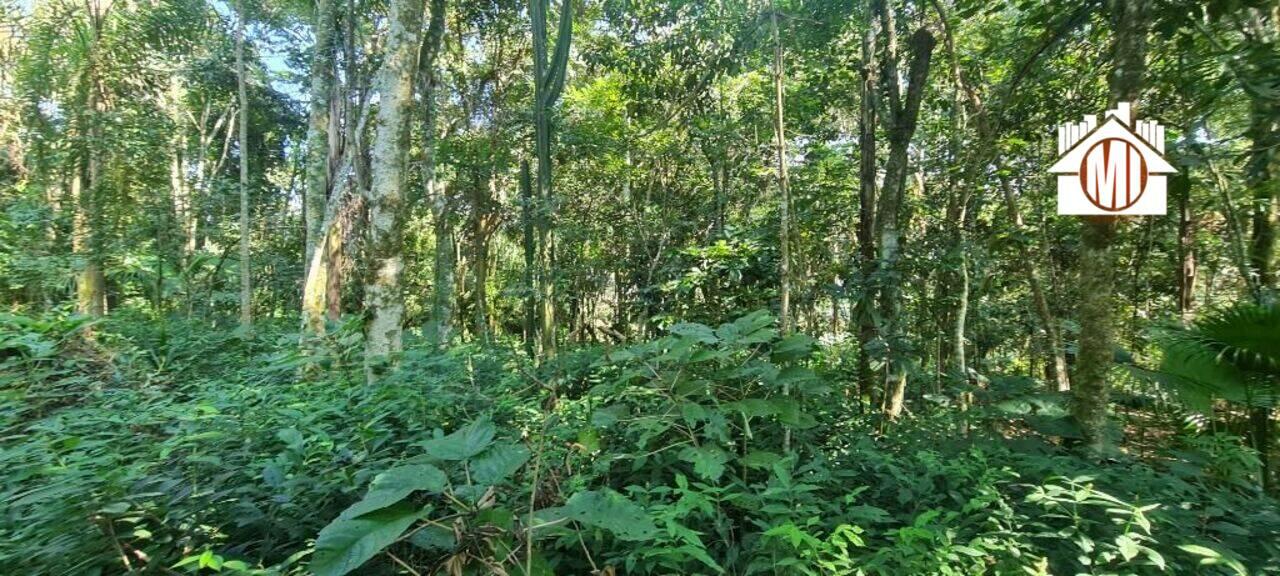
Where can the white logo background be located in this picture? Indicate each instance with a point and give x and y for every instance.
(1112, 179)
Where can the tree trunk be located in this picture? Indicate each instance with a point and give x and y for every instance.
(1094, 356)
(442, 298)
(86, 241)
(530, 251)
(1180, 188)
(784, 201)
(481, 229)
(864, 307)
(443, 267)
(322, 287)
(548, 82)
(1260, 175)
(319, 135)
(246, 286)
(902, 113)
(1097, 273)
(384, 299)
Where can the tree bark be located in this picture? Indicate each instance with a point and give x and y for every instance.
(901, 112)
(86, 241)
(322, 141)
(1097, 273)
(442, 298)
(1260, 176)
(530, 252)
(784, 188)
(246, 282)
(548, 82)
(384, 299)
(319, 136)
(867, 192)
(1180, 188)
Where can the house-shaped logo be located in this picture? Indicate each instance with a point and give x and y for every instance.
(1112, 169)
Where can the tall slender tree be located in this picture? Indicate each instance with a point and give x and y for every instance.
(384, 298)
(1091, 390)
(246, 286)
(319, 155)
(86, 180)
(428, 79)
(784, 184)
(900, 109)
(548, 82)
(867, 194)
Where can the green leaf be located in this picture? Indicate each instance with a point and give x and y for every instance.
(698, 332)
(609, 415)
(793, 347)
(464, 443)
(291, 438)
(708, 461)
(434, 538)
(394, 485)
(611, 511)
(753, 328)
(754, 407)
(1210, 556)
(1127, 546)
(347, 543)
(499, 462)
(760, 459)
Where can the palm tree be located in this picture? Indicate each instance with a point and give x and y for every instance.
(1233, 355)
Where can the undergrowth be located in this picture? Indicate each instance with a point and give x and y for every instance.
(162, 447)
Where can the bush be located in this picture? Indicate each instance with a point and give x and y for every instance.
(164, 446)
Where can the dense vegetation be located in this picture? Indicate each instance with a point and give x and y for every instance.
(631, 287)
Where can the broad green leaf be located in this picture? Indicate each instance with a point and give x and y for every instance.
(1127, 546)
(498, 462)
(753, 407)
(394, 485)
(609, 415)
(793, 347)
(347, 543)
(760, 459)
(611, 511)
(698, 332)
(753, 328)
(708, 461)
(464, 443)
(434, 538)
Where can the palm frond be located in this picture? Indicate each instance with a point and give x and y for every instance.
(1233, 355)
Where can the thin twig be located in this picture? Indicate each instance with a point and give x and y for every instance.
(403, 564)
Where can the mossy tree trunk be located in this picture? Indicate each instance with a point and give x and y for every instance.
(384, 300)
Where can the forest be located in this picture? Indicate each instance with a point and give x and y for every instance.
(607, 287)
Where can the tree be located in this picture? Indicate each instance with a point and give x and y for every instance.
(548, 82)
(86, 183)
(246, 282)
(900, 112)
(1091, 391)
(428, 80)
(384, 298)
(784, 192)
(321, 140)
